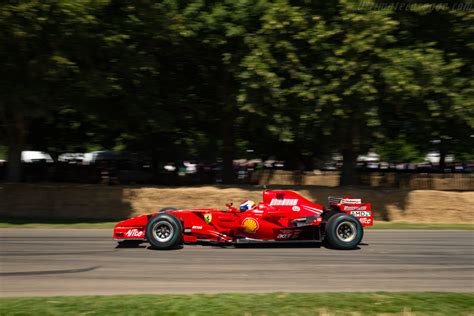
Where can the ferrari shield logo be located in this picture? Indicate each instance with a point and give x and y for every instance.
(207, 218)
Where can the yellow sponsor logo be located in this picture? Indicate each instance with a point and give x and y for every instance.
(207, 218)
(250, 225)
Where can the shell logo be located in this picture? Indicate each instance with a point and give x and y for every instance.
(250, 225)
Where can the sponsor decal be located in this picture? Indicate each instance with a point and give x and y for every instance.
(365, 220)
(283, 202)
(353, 208)
(360, 213)
(351, 201)
(135, 233)
(312, 209)
(196, 227)
(283, 236)
(208, 218)
(250, 225)
(296, 208)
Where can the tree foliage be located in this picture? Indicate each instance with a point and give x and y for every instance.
(201, 79)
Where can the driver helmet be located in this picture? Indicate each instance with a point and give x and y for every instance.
(247, 206)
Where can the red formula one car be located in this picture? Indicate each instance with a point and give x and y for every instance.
(283, 216)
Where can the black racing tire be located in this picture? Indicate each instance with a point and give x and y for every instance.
(167, 209)
(164, 231)
(343, 231)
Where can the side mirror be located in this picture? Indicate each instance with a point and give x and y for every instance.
(230, 207)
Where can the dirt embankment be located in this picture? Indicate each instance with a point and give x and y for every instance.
(102, 202)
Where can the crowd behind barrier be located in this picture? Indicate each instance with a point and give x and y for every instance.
(132, 172)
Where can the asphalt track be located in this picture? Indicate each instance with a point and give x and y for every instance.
(36, 262)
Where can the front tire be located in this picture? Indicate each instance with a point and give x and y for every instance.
(167, 209)
(343, 231)
(164, 231)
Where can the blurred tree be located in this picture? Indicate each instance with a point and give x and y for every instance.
(204, 79)
(85, 73)
(356, 77)
(398, 150)
(217, 32)
(35, 70)
(430, 95)
(325, 61)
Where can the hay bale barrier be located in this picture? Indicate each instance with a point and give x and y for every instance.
(96, 202)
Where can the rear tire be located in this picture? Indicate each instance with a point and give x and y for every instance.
(164, 231)
(343, 231)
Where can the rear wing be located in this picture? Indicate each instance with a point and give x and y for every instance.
(338, 200)
(362, 211)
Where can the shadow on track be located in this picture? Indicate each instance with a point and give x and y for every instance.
(253, 246)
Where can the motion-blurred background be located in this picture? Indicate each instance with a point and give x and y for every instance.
(204, 92)
(111, 108)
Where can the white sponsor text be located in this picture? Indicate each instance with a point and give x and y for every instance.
(284, 202)
(134, 233)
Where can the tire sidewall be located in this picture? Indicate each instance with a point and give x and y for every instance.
(177, 231)
(167, 209)
(331, 234)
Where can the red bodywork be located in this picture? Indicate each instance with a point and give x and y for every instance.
(282, 216)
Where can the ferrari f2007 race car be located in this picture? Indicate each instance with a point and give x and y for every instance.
(282, 217)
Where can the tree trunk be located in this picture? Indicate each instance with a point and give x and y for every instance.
(14, 168)
(349, 156)
(228, 141)
(16, 134)
(228, 152)
(442, 158)
(228, 112)
(349, 171)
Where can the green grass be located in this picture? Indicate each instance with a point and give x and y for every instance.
(376, 303)
(401, 225)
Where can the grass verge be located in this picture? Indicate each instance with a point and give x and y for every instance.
(375, 303)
